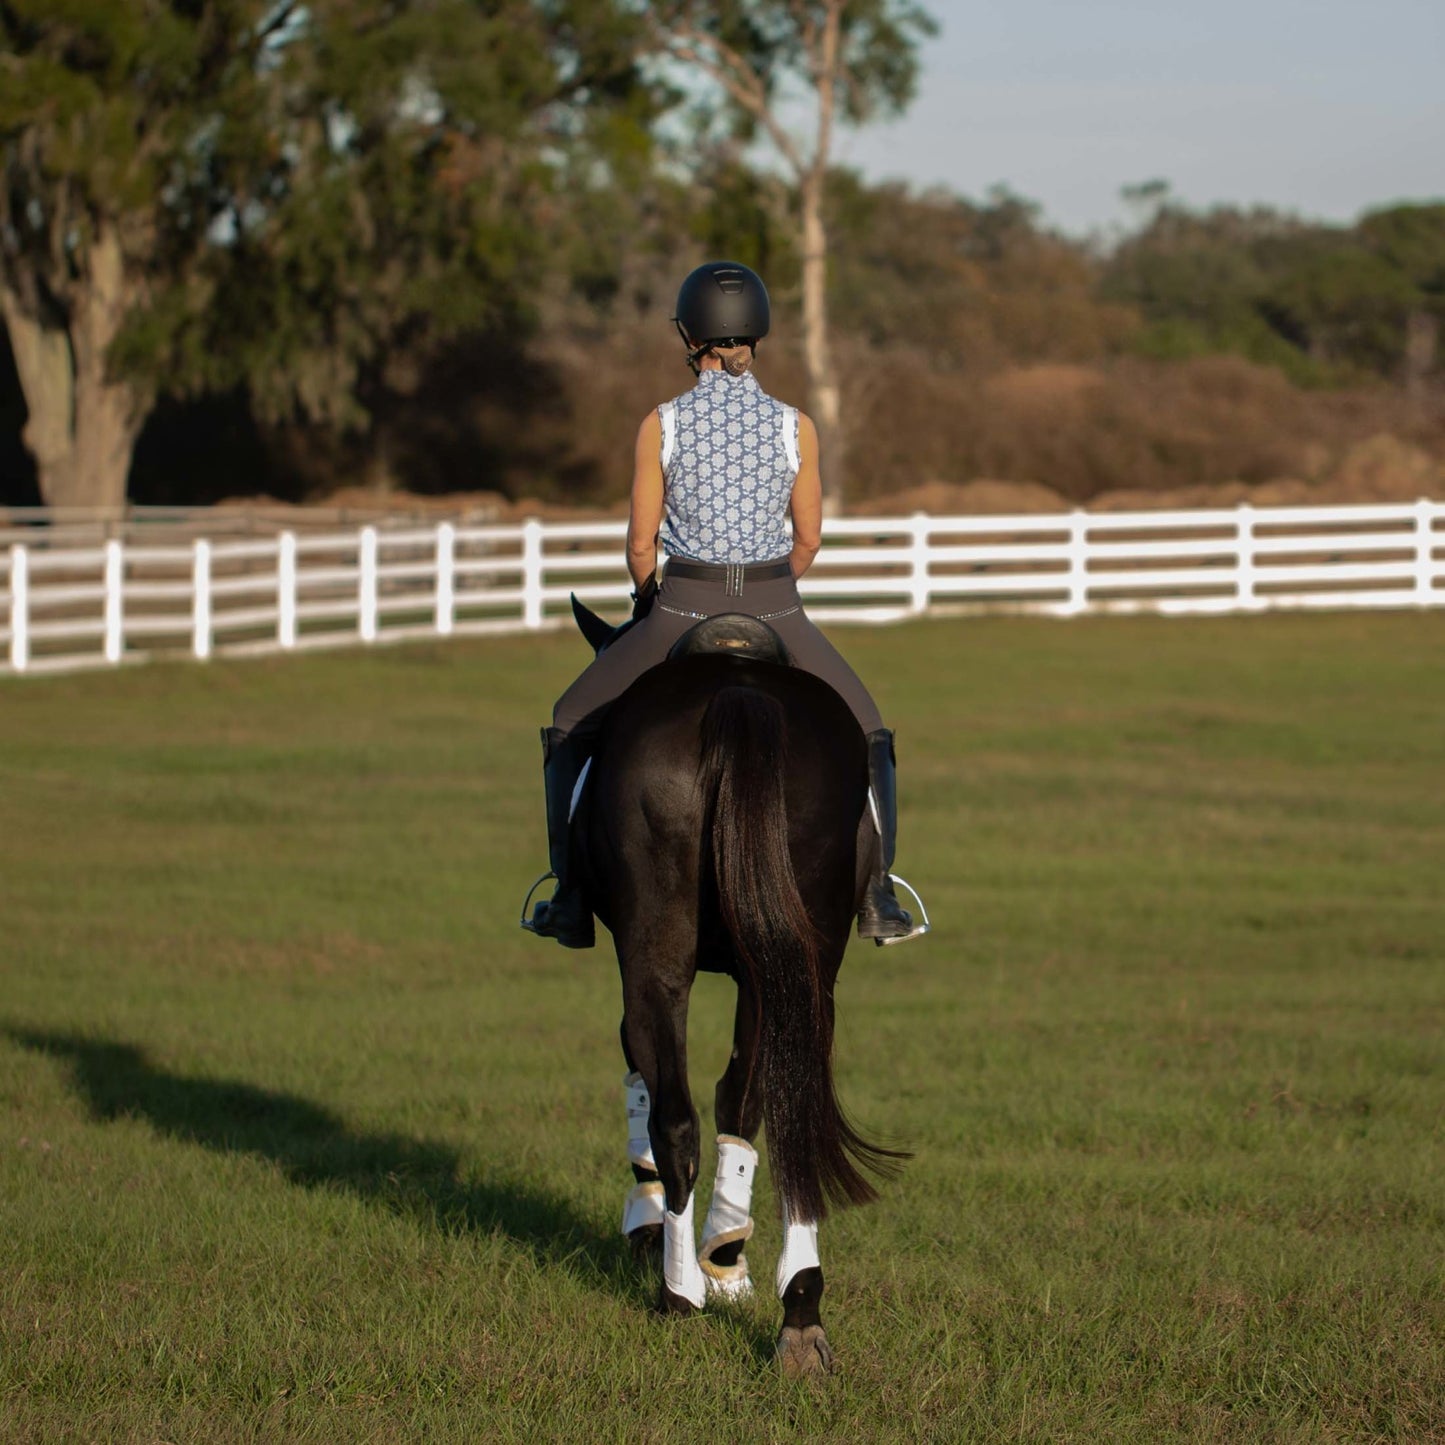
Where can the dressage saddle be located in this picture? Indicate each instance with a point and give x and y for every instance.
(734, 634)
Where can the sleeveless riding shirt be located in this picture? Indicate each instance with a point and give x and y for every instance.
(729, 460)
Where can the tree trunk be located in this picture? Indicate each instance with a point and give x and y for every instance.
(83, 424)
(1422, 337)
(824, 399)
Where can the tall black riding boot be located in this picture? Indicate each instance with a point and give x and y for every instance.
(882, 916)
(566, 916)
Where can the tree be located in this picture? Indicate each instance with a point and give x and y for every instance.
(1201, 281)
(1411, 238)
(87, 122)
(209, 193)
(1325, 303)
(974, 285)
(859, 60)
(1346, 306)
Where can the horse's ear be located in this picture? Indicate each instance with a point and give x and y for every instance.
(597, 631)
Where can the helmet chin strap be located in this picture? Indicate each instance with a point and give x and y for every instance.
(694, 355)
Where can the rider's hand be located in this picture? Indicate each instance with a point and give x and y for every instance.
(644, 597)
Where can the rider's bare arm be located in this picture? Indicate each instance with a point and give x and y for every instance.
(807, 504)
(646, 519)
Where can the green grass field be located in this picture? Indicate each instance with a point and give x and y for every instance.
(302, 1138)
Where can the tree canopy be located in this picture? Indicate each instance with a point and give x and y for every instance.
(1324, 303)
(408, 242)
(282, 195)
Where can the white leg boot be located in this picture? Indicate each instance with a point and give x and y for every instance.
(681, 1272)
(639, 1110)
(646, 1204)
(800, 1249)
(729, 1218)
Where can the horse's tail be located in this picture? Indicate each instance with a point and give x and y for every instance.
(814, 1152)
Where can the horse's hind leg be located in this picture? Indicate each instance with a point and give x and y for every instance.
(729, 1222)
(655, 1023)
(802, 1347)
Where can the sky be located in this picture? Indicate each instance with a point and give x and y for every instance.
(1314, 106)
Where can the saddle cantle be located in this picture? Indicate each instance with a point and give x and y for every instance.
(734, 634)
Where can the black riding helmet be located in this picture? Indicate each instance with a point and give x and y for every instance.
(722, 303)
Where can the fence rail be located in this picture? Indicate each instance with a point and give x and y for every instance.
(69, 604)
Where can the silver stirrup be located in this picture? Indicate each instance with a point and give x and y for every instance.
(525, 919)
(918, 929)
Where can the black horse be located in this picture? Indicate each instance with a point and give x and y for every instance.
(720, 831)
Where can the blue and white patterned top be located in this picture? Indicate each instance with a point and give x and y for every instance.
(729, 460)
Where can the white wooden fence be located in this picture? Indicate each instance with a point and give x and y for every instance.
(67, 606)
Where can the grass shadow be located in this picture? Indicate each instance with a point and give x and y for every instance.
(418, 1179)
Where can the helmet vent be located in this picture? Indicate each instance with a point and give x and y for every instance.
(730, 283)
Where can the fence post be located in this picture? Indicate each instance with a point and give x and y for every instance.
(919, 590)
(1424, 552)
(286, 589)
(446, 599)
(532, 573)
(366, 609)
(1078, 563)
(114, 600)
(201, 600)
(1244, 560)
(19, 608)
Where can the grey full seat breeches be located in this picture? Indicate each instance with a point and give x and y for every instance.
(683, 601)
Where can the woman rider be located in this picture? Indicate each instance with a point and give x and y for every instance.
(718, 471)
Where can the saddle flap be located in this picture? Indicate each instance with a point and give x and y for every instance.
(733, 634)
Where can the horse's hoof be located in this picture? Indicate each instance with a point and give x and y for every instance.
(673, 1305)
(646, 1244)
(804, 1353)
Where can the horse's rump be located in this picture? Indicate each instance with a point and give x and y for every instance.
(650, 762)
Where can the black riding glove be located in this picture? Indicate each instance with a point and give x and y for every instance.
(644, 597)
